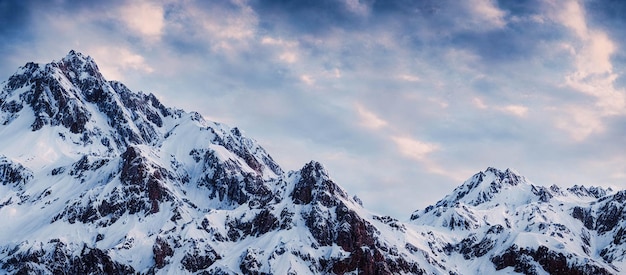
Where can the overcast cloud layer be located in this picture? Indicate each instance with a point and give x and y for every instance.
(401, 100)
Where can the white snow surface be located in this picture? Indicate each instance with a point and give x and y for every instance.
(64, 171)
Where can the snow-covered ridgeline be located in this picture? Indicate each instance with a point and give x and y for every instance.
(97, 178)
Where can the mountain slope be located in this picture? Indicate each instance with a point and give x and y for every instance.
(99, 179)
(96, 178)
(501, 216)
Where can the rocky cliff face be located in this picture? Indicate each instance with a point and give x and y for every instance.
(99, 179)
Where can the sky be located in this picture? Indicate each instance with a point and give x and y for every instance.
(400, 100)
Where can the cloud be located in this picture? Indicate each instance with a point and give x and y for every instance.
(312, 17)
(580, 123)
(516, 110)
(287, 50)
(408, 77)
(307, 79)
(228, 28)
(420, 151)
(115, 62)
(357, 7)
(145, 18)
(511, 109)
(592, 75)
(369, 119)
(413, 148)
(478, 103)
(452, 87)
(464, 59)
(486, 14)
(571, 14)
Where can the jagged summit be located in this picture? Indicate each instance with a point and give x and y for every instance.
(496, 189)
(484, 186)
(73, 93)
(592, 191)
(493, 186)
(98, 179)
(80, 64)
(123, 184)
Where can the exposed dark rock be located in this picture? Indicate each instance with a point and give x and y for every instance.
(471, 248)
(315, 186)
(12, 173)
(161, 250)
(263, 222)
(352, 231)
(140, 176)
(392, 222)
(611, 212)
(199, 258)
(53, 105)
(230, 190)
(521, 259)
(582, 191)
(250, 263)
(55, 257)
(584, 215)
(223, 182)
(543, 193)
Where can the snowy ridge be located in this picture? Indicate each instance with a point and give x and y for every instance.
(502, 218)
(99, 179)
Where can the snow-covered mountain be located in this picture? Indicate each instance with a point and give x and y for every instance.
(99, 179)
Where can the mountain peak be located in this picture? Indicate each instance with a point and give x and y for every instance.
(314, 185)
(73, 93)
(591, 191)
(508, 176)
(484, 187)
(95, 178)
(485, 184)
(74, 56)
(76, 64)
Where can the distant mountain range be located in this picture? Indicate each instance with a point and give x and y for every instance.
(97, 179)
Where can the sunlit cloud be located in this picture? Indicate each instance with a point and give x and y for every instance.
(486, 14)
(145, 18)
(516, 110)
(413, 148)
(369, 119)
(478, 103)
(593, 73)
(511, 109)
(420, 152)
(289, 57)
(408, 77)
(307, 79)
(114, 62)
(287, 51)
(580, 123)
(447, 85)
(571, 14)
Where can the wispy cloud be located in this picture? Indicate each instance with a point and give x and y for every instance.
(486, 14)
(413, 148)
(516, 110)
(408, 77)
(369, 119)
(115, 61)
(592, 74)
(435, 90)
